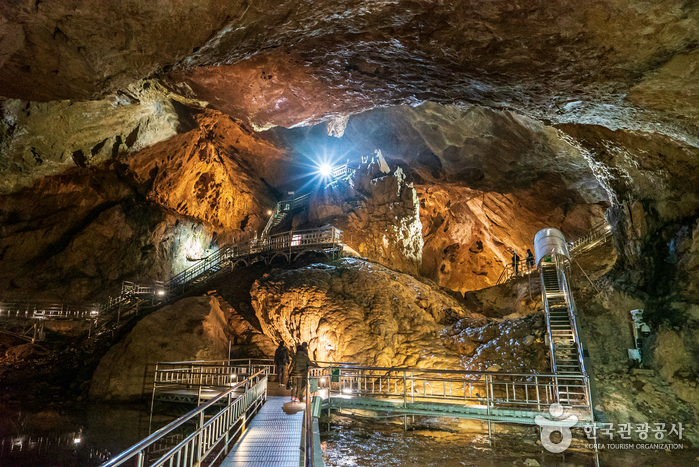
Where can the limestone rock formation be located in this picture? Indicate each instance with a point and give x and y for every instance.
(378, 212)
(209, 173)
(515, 345)
(357, 311)
(76, 236)
(664, 391)
(469, 234)
(40, 139)
(589, 62)
(362, 312)
(191, 329)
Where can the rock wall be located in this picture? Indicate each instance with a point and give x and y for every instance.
(362, 312)
(469, 234)
(379, 214)
(651, 181)
(41, 139)
(664, 391)
(191, 329)
(76, 236)
(357, 311)
(209, 173)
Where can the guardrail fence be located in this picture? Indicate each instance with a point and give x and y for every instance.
(205, 434)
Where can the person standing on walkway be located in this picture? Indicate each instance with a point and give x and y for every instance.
(299, 371)
(530, 260)
(281, 360)
(515, 263)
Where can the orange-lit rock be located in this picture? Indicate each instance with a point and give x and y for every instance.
(210, 173)
(469, 234)
(357, 311)
(362, 312)
(43, 139)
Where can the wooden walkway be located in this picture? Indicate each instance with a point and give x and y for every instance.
(273, 439)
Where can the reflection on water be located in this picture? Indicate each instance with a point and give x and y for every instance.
(444, 442)
(80, 437)
(87, 436)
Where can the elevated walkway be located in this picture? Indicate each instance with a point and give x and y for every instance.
(134, 297)
(273, 438)
(277, 433)
(286, 208)
(240, 424)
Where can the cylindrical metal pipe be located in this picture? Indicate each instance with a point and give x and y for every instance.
(549, 242)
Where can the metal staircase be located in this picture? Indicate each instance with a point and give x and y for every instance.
(135, 298)
(564, 340)
(565, 355)
(285, 208)
(596, 236)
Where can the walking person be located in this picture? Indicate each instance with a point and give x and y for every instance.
(530, 260)
(299, 371)
(281, 360)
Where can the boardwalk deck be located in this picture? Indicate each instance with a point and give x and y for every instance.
(272, 439)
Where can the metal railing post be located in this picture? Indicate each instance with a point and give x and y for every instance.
(309, 425)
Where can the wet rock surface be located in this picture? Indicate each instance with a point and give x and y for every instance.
(128, 143)
(362, 312)
(357, 311)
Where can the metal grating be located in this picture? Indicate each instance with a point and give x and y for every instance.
(273, 438)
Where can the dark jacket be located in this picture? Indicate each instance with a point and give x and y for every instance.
(281, 356)
(300, 363)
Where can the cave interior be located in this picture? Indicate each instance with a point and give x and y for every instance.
(136, 138)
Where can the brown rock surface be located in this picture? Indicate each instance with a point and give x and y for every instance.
(362, 312)
(378, 212)
(568, 62)
(469, 234)
(209, 173)
(191, 329)
(40, 139)
(76, 236)
(357, 311)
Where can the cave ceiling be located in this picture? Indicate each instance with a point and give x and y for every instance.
(620, 64)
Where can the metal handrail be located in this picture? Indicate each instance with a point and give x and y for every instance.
(545, 303)
(488, 390)
(601, 230)
(508, 272)
(308, 419)
(324, 237)
(45, 310)
(204, 443)
(564, 267)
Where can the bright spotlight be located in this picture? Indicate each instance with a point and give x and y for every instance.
(269, 213)
(77, 440)
(161, 292)
(325, 170)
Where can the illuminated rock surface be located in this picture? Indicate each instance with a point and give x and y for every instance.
(362, 312)
(191, 329)
(378, 212)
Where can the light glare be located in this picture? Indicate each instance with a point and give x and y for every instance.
(325, 170)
